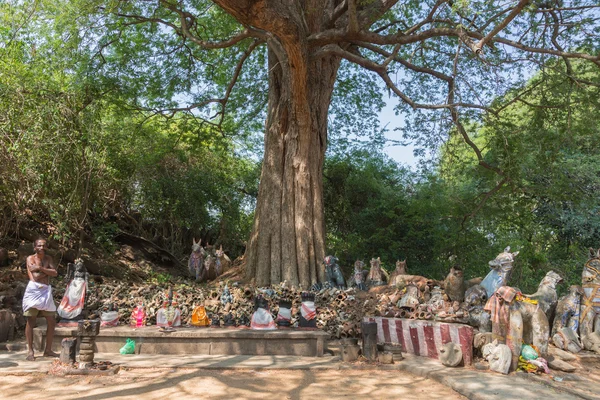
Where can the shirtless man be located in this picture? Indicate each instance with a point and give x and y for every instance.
(37, 300)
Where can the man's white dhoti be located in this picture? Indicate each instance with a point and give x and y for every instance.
(38, 296)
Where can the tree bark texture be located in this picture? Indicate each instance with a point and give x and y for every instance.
(288, 238)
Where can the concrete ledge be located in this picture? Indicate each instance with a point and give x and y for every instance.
(210, 341)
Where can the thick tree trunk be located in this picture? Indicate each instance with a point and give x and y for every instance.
(288, 238)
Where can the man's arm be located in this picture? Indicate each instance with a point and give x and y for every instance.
(51, 269)
(30, 267)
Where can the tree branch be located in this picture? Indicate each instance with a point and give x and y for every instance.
(185, 31)
(519, 7)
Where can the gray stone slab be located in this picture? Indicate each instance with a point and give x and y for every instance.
(213, 341)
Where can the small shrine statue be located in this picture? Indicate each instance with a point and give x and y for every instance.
(169, 315)
(376, 275)
(215, 321)
(359, 275)
(226, 296)
(284, 316)
(243, 321)
(308, 311)
(73, 302)
(229, 321)
(196, 262)
(501, 268)
(333, 273)
(109, 316)
(199, 317)
(262, 318)
(138, 316)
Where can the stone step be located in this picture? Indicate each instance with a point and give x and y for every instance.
(210, 341)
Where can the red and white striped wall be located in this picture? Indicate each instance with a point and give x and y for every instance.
(424, 338)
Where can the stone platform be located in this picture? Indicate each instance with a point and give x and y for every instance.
(209, 341)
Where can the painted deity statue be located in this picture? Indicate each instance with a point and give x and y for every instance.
(138, 316)
(73, 302)
(169, 315)
(262, 318)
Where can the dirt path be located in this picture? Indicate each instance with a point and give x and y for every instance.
(228, 384)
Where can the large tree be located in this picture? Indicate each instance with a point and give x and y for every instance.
(444, 60)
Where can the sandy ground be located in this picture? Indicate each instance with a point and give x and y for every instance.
(228, 384)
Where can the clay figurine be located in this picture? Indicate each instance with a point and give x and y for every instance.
(454, 284)
(401, 269)
(222, 262)
(376, 275)
(358, 278)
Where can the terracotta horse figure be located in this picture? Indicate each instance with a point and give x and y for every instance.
(196, 262)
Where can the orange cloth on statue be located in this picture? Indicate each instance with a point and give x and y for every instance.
(199, 317)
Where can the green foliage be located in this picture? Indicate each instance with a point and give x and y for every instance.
(77, 159)
(159, 277)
